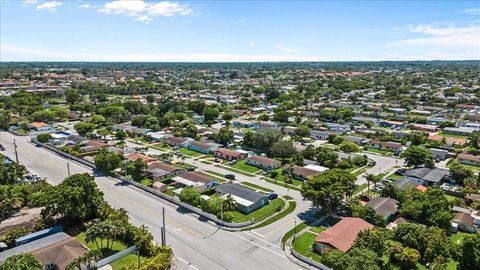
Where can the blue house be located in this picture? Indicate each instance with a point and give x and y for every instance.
(203, 147)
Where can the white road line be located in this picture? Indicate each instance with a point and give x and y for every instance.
(261, 235)
(187, 263)
(269, 250)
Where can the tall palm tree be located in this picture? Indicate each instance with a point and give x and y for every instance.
(229, 203)
(369, 177)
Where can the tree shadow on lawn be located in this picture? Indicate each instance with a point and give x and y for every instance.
(310, 215)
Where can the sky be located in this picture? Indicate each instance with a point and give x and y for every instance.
(231, 31)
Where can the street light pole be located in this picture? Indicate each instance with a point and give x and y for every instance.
(294, 230)
(16, 152)
(164, 235)
(68, 168)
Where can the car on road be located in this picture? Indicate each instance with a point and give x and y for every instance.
(2, 148)
(266, 172)
(386, 180)
(400, 172)
(272, 195)
(190, 169)
(230, 176)
(372, 163)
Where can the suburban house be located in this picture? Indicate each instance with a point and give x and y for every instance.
(468, 159)
(264, 162)
(178, 141)
(196, 179)
(54, 251)
(243, 123)
(464, 222)
(357, 140)
(342, 235)
(439, 154)
(247, 199)
(386, 207)
(303, 173)
(92, 146)
(39, 126)
(390, 146)
(158, 136)
(159, 170)
(127, 127)
(266, 125)
(424, 127)
(229, 154)
(465, 131)
(319, 135)
(135, 156)
(426, 176)
(203, 147)
(450, 141)
(338, 128)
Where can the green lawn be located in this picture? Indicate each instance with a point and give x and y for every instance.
(146, 182)
(253, 186)
(317, 230)
(304, 245)
(359, 188)
(235, 170)
(126, 261)
(360, 171)
(294, 230)
(395, 177)
(159, 147)
(261, 213)
(379, 151)
(290, 208)
(21, 131)
(215, 173)
(457, 238)
(471, 167)
(189, 152)
(282, 184)
(241, 165)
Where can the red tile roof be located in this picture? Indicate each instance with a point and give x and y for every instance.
(135, 156)
(343, 234)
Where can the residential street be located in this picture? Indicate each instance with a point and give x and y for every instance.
(197, 244)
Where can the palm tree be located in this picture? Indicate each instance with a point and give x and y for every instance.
(369, 177)
(229, 203)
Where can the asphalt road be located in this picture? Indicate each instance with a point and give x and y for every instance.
(197, 244)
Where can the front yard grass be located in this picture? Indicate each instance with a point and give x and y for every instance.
(260, 214)
(146, 182)
(291, 206)
(189, 152)
(126, 261)
(395, 177)
(241, 165)
(304, 245)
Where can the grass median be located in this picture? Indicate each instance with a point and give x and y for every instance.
(291, 207)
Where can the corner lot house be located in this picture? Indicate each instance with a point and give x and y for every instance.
(303, 173)
(195, 179)
(177, 141)
(159, 170)
(264, 162)
(342, 235)
(427, 176)
(55, 251)
(469, 159)
(439, 154)
(229, 154)
(39, 126)
(247, 199)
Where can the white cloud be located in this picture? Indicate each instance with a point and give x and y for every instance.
(285, 49)
(29, 3)
(145, 12)
(472, 11)
(442, 36)
(87, 6)
(144, 19)
(50, 6)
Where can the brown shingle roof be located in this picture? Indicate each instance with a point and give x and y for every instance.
(229, 152)
(135, 156)
(61, 253)
(163, 166)
(343, 234)
(469, 157)
(304, 171)
(196, 177)
(264, 160)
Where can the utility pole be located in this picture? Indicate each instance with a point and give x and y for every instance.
(164, 229)
(294, 230)
(16, 152)
(221, 209)
(68, 168)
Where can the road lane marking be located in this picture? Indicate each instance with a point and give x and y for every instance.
(261, 235)
(276, 229)
(260, 246)
(187, 263)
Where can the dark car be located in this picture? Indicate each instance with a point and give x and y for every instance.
(230, 176)
(190, 169)
(2, 148)
(400, 172)
(272, 196)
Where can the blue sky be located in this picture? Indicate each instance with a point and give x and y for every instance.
(138, 30)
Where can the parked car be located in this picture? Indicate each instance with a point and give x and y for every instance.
(365, 198)
(387, 180)
(230, 176)
(377, 189)
(400, 172)
(272, 196)
(372, 163)
(2, 148)
(190, 169)
(232, 162)
(266, 172)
